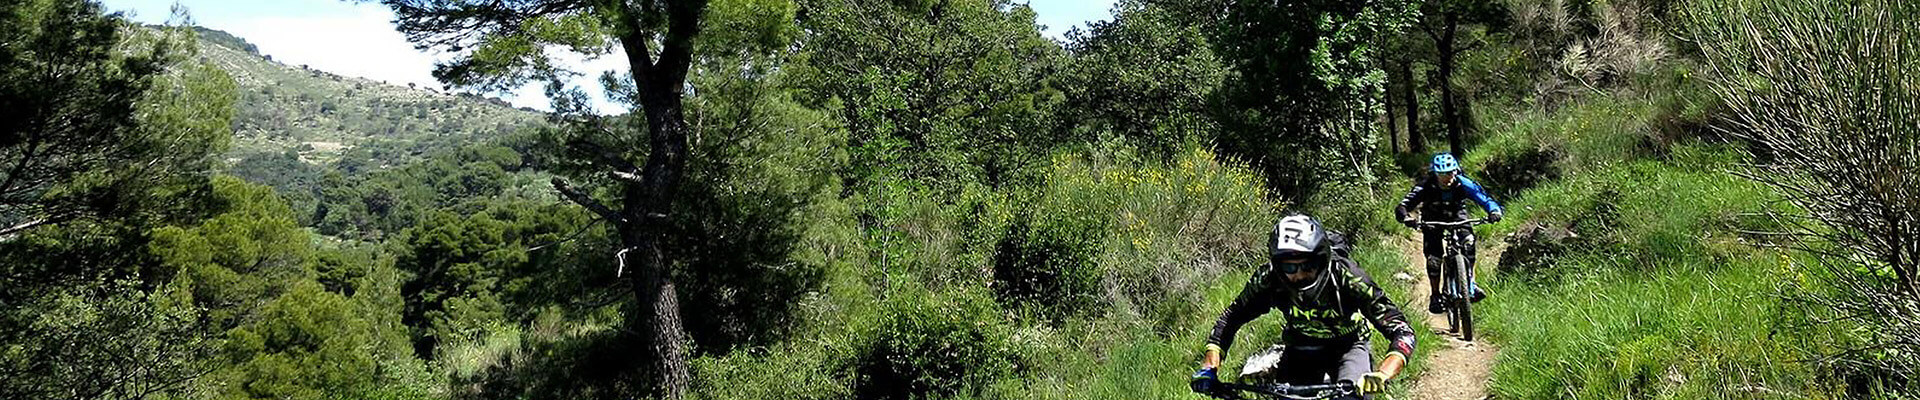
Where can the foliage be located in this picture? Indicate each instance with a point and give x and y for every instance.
(108, 132)
(98, 114)
(933, 345)
(1146, 76)
(102, 340)
(1154, 232)
(282, 333)
(1049, 265)
(381, 202)
(761, 174)
(971, 102)
(1820, 92)
(1306, 88)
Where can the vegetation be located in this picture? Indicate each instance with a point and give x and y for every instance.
(803, 205)
(1837, 132)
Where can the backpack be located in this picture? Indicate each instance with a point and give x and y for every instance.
(1338, 243)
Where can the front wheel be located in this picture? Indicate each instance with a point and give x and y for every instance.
(1462, 306)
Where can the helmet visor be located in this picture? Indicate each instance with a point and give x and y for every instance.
(1294, 262)
(1292, 265)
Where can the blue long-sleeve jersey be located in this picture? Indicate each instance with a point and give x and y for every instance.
(1448, 203)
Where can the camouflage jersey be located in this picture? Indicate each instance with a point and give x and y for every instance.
(1330, 318)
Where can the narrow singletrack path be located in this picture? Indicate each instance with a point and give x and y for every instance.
(1456, 370)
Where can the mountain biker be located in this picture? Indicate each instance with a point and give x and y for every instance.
(1324, 297)
(1441, 197)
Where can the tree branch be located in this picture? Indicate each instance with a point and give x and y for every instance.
(603, 155)
(634, 38)
(1472, 46)
(584, 200)
(7, 234)
(677, 52)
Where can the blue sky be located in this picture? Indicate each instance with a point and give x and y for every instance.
(357, 39)
(1060, 15)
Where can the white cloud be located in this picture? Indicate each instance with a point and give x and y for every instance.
(534, 95)
(364, 44)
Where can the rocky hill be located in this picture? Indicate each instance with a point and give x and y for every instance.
(320, 114)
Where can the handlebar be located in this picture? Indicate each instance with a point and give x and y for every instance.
(1297, 392)
(1456, 224)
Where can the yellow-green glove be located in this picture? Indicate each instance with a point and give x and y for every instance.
(1373, 382)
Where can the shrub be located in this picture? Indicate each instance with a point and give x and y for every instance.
(1049, 267)
(1824, 91)
(786, 372)
(932, 344)
(1359, 210)
(1165, 229)
(1506, 174)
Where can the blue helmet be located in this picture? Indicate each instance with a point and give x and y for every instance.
(1444, 162)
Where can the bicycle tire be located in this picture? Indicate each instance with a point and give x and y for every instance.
(1446, 294)
(1463, 303)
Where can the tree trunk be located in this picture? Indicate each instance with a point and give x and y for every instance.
(659, 319)
(1448, 114)
(1393, 119)
(648, 203)
(1416, 141)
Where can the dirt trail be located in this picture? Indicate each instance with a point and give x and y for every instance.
(1456, 370)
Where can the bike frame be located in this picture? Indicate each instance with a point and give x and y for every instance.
(1457, 278)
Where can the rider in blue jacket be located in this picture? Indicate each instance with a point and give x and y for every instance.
(1442, 197)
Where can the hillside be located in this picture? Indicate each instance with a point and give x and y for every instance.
(1703, 199)
(286, 107)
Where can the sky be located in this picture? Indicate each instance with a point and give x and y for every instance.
(357, 38)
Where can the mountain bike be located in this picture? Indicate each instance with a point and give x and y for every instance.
(1457, 283)
(1238, 391)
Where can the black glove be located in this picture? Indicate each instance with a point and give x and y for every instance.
(1203, 382)
(1410, 222)
(1494, 217)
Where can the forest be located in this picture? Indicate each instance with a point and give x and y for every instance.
(933, 199)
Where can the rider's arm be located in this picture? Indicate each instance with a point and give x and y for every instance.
(1480, 195)
(1255, 300)
(1386, 318)
(1407, 203)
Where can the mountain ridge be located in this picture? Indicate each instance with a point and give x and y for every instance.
(320, 114)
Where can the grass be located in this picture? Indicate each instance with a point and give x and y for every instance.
(1687, 330)
(1653, 294)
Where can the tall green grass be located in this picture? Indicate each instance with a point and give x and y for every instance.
(1654, 293)
(1689, 329)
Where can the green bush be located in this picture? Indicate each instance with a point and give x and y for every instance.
(1168, 228)
(916, 233)
(1361, 211)
(1507, 173)
(791, 371)
(932, 344)
(1049, 267)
